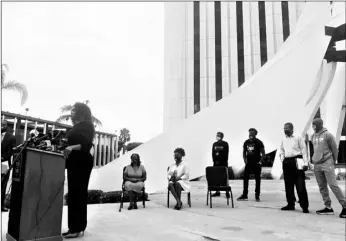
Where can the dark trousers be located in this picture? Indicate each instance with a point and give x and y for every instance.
(256, 169)
(78, 175)
(3, 189)
(294, 177)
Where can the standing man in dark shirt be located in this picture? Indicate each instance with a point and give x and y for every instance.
(253, 154)
(8, 142)
(220, 155)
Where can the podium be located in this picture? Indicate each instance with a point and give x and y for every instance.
(37, 197)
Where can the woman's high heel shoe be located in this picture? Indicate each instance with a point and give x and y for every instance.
(75, 235)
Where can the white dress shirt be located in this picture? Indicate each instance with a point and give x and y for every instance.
(293, 146)
(181, 171)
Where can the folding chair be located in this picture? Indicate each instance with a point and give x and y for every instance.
(123, 191)
(188, 194)
(217, 178)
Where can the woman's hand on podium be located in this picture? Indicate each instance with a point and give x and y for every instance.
(67, 151)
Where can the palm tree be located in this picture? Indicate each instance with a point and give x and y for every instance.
(124, 137)
(13, 85)
(67, 108)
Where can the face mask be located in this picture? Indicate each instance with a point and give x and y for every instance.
(288, 132)
(177, 158)
(3, 129)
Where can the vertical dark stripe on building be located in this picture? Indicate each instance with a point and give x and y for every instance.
(318, 113)
(196, 58)
(218, 51)
(240, 43)
(262, 32)
(285, 19)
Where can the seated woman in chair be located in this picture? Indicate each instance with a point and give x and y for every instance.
(178, 176)
(134, 177)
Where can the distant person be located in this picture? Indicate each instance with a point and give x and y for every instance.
(79, 164)
(134, 177)
(220, 153)
(178, 177)
(8, 142)
(253, 155)
(324, 158)
(291, 151)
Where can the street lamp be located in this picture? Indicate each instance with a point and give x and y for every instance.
(26, 109)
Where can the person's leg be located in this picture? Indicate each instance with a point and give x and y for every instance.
(333, 184)
(72, 200)
(178, 189)
(3, 191)
(246, 180)
(322, 184)
(131, 197)
(301, 190)
(173, 191)
(258, 170)
(289, 178)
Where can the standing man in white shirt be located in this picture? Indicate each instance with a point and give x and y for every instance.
(292, 151)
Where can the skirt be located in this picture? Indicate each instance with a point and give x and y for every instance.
(134, 186)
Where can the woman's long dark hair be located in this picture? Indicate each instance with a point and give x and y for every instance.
(82, 113)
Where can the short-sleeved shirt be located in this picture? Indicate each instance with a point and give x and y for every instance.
(253, 150)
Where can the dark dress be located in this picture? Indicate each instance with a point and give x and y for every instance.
(79, 166)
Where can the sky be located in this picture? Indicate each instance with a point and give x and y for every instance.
(110, 53)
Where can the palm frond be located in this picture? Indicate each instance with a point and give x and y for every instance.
(63, 118)
(96, 121)
(16, 86)
(66, 108)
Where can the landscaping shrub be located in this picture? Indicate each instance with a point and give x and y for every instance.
(97, 197)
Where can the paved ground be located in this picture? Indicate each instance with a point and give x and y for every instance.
(247, 221)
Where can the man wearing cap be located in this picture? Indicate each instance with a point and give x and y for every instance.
(253, 154)
(293, 153)
(324, 158)
(220, 155)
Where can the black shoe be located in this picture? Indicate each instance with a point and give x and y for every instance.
(343, 213)
(179, 206)
(4, 210)
(325, 211)
(65, 233)
(305, 210)
(130, 207)
(75, 235)
(288, 208)
(217, 194)
(258, 199)
(242, 198)
(135, 206)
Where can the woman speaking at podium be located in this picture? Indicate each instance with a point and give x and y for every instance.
(79, 164)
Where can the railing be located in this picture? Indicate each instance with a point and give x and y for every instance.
(105, 144)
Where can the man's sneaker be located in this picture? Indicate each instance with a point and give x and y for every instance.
(288, 208)
(242, 198)
(325, 211)
(258, 199)
(343, 213)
